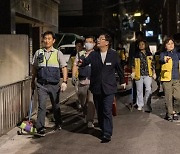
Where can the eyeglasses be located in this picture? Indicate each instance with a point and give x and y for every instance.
(100, 39)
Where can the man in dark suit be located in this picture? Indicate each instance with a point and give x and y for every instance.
(104, 62)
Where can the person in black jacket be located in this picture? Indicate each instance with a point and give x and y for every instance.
(104, 62)
(85, 97)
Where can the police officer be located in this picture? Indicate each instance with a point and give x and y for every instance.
(103, 84)
(46, 68)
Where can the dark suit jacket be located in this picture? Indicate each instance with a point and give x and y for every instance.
(103, 79)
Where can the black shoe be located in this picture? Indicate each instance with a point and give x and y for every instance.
(57, 127)
(105, 139)
(40, 132)
(147, 111)
(175, 117)
(135, 106)
(169, 118)
(44, 128)
(160, 94)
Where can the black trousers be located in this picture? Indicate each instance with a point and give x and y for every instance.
(134, 92)
(103, 104)
(45, 91)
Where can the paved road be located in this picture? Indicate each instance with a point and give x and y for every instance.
(134, 133)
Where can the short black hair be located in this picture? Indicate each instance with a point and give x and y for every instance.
(79, 41)
(166, 41)
(108, 38)
(90, 36)
(49, 33)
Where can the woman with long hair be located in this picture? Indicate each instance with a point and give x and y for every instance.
(143, 71)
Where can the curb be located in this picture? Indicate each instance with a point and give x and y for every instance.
(67, 98)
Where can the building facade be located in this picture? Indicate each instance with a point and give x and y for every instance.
(30, 17)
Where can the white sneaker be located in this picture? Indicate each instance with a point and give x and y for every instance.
(90, 124)
(139, 108)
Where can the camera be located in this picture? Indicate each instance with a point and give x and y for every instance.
(40, 58)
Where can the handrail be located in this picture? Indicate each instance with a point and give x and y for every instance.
(26, 78)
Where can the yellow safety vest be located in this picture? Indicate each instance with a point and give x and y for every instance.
(52, 61)
(121, 54)
(48, 70)
(166, 71)
(137, 67)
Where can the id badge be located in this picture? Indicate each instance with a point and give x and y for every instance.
(108, 64)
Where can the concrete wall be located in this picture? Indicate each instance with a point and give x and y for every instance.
(45, 11)
(14, 58)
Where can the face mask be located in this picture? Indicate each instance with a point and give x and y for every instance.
(89, 46)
